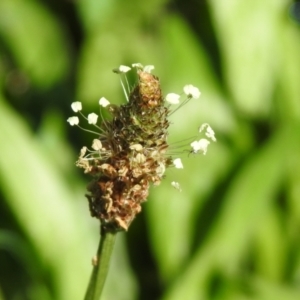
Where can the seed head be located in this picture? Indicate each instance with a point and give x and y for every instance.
(131, 150)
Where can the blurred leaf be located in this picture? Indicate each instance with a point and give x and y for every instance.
(269, 290)
(271, 264)
(247, 201)
(292, 214)
(1, 295)
(35, 39)
(95, 76)
(293, 182)
(95, 13)
(19, 250)
(288, 103)
(51, 137)
(260, 289)
(44, 206)
(187, 63)
(247, 33)
(13, 244)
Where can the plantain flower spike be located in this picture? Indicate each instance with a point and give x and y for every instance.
(130, 151)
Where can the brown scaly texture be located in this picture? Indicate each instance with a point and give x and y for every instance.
(132, 157)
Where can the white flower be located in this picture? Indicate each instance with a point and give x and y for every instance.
(172, 98)
(195, 146)
(97, 145)
(200, 145)
(73, 121)
(191, 91)
(148, 68)
(103, 102)
(137, 65)
(92, 118)
(124, 69)
(140, 158)
(176, 185)
(76, 106)
(160, 170)
(210, 134)
(82, 152)
(136, 147)
(209, 131)
(177, 163)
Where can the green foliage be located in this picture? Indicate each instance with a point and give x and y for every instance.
(233, 232)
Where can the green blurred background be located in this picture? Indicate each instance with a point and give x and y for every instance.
(234, 230)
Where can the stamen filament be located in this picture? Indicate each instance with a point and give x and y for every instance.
(180, 105)
(94, 132)
(124, 90)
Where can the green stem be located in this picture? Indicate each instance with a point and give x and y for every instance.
(100, 269)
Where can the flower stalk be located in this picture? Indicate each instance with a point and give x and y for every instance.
(100, 266)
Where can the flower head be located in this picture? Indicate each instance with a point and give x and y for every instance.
(122, 69)
(138, 66)
(160, 170)
(209, 132)
(103, 102)
(136, 147)
(176, 185)
(177, 163)
(73, 121)
(76, 106)
(148, 68)
(200, 145)
(92, 118)
(97, 145)
(131, 150)
(191, 91)
(172, 98)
